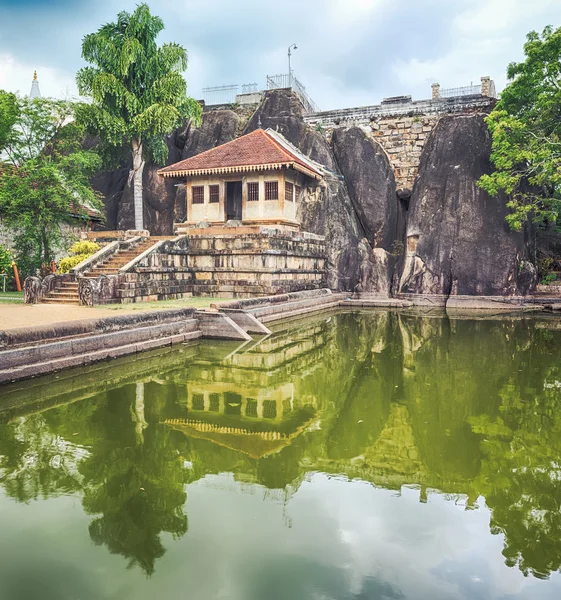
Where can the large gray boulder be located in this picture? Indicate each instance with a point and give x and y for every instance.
(457, 239)
(327, 210)
(370, 181)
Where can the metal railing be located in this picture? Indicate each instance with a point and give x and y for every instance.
(468, 90)
(220, 94)
(226, 94)
(289, 81)
(250, 88)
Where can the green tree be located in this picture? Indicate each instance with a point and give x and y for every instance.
(137, 90)
(526, 133)
(9, 111)
(44, 182)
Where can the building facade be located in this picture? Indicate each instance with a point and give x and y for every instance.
(257, 179)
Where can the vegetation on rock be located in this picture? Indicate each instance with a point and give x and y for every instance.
(526, 134)
(137, 90)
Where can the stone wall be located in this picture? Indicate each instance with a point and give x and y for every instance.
(247, 262)
(400, 126)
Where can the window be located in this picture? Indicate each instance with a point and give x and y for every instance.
(288, 192)
(298, 192)
(198, 192)
(214, 402)
(271, 190)
(198, 402)
(253, 192)
(214, 194)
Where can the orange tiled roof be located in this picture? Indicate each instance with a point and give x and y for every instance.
(257, 150)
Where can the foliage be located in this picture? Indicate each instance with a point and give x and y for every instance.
(137, 89)
(79, 252)
(526, 135)
(9, 112)
(45, 182)
(6, 260)
(549, 278)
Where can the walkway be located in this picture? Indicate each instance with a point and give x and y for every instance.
(13, 316)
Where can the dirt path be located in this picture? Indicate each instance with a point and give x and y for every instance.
(13, 316)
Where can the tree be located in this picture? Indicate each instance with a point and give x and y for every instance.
(138, 94)
(526, 132)
(45, 180)
(9, 111)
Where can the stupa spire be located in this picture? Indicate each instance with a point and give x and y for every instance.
(35, 91)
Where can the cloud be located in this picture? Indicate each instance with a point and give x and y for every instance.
(350, 52)
(17, 76)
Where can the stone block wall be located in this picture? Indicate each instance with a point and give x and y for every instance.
(402, 126)
(262, 262)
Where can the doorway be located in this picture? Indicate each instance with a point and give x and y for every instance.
(234, 201)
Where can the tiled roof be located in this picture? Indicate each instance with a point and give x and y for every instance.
(256, 150)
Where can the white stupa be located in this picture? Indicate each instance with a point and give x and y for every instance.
(35, 91)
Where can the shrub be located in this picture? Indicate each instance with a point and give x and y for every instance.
(84, 247)
(79, 252)
(6, 260)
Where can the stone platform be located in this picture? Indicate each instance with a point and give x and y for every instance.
(236, 262)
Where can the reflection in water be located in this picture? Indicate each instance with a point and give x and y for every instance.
(466, 407)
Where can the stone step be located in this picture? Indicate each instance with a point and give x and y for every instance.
(75, 360)
(62, 348)
(59, 301)
(62, 294)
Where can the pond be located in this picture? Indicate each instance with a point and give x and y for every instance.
(363, 455)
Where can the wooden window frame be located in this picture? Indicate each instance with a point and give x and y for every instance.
(269, 186)
(199, 189)
(253, 191)
(214, 193)
(288, 191)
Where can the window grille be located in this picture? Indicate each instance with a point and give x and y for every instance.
(214, 194)
(198, 192)
(253, 192)
(271, 190)
(298, 192)
(289, 192)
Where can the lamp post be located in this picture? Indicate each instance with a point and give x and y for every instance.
(290, 48)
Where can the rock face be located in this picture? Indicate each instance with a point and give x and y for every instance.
(452, 238)
(328, 211)
(457, 239)
(370, 181)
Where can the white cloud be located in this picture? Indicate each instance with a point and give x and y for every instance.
(487, 35)
(16, 76)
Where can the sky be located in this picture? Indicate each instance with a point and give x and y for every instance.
(350, 52)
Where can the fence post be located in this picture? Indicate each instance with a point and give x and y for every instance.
(435, 91)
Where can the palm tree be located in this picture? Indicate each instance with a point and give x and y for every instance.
(137, 90)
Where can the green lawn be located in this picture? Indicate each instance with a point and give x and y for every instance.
(15, 297)
(181, 303)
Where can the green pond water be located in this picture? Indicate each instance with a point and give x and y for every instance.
(356, 455)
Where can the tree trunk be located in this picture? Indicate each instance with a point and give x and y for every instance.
(46, 249)
(138, 414)
(138, 168)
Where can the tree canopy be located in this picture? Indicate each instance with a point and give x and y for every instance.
(45, 180)
(526, 130)
(137, 90)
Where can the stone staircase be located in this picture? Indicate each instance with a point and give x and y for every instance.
(67, 291)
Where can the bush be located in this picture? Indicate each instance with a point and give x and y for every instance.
(79, 252)
(6, 260)
(84, 247)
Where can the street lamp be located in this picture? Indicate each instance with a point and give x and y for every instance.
(290, 48)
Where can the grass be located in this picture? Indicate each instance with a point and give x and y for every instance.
(180, 303)
(12, 297)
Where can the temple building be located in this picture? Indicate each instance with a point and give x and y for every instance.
(35, 91)
(256, 179)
